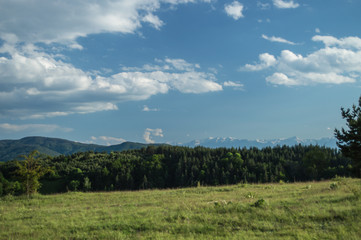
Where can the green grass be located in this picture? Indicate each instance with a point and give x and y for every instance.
(312, 210)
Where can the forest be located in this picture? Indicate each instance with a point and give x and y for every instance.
(161, 167)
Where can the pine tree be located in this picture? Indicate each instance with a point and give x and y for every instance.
(349, 140)
(30, 171)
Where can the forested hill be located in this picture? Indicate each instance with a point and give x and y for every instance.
(173, 167)
(12, 149)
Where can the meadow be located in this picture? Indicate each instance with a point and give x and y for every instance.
(307, 210)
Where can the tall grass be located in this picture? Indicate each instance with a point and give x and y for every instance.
(312, 210)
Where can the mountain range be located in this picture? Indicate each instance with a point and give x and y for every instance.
(229, 142)
(12, 149)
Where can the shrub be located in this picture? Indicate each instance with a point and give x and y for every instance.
(250, 195)
(74, 185)
(260, 203)
(334, 186)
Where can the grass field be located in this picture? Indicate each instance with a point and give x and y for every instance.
(312, 210)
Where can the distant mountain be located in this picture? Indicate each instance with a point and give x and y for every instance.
(12, 149)
(229, 142)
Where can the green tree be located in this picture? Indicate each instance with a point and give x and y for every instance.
(349, 140)
(315, 162)
(74, 185)
(30, 171)
(87, 184)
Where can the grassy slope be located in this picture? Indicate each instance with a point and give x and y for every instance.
(293, 211)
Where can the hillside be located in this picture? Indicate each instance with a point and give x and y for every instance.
(12, 149)
(309, 210)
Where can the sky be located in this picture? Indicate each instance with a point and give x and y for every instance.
(109, 71)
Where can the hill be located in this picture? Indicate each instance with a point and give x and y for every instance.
(309, 210)
(12, 149)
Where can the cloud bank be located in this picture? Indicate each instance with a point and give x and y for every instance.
(64, 21)
(37, 84)
(338, 62)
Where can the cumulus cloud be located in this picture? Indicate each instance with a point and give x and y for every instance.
(234, 10)
(149, 133)
(348, 42)
(338, 62)
(266, 60)
(35, 84)
(64, 21)
(285, 4)
(153, 20)
(105, 140)
(277, 39)
(234, 85)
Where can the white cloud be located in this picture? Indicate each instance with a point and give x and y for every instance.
(149, 133)
(281, 79)
(181, 64)
(34, 84)
(235, 85)
(153, 20)
(234, 10)
(277, 39)
(317, 30)
(285, 4)
(266, 60)
(33, 128)
(64, 21)
(348, 42)
(194, 82)
(338, 62)
(105, 140)
(147, 109)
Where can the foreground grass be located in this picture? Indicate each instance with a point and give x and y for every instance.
(313, 210)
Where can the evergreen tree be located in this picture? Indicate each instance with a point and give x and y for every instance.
(30, 171)
(349, 140)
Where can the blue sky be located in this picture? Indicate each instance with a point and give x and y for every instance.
(177, 70)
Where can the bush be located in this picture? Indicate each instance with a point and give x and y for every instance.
(74, 185)
(334, 186)
(17, 189)
(260, 203)
(250, 195)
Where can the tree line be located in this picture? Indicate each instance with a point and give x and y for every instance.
(174, 167)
